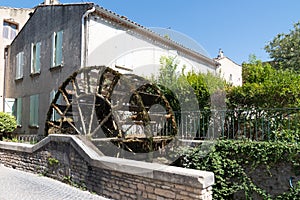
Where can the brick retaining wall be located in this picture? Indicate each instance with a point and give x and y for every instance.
(73, 160)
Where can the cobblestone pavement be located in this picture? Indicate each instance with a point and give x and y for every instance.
(19, 185)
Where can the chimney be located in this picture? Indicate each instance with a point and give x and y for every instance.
(221, 53)
(51, 2)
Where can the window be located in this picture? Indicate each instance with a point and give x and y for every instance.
(34, 110)
(230, 77)
(55, 115)
(9, 105)
(57, 48)
(17, 110)
(9, 30)
(35, 58)
(19, 65)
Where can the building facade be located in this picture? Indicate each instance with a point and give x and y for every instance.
(11, 22)
(229, 70)
(59, 39)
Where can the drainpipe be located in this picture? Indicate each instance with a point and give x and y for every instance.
(84, 37)
(4, 80)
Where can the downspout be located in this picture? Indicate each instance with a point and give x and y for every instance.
(84, 37)
(4, 80)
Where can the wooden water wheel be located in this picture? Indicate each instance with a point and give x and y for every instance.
(102, 103)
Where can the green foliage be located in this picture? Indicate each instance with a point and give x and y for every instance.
(187, 85)
(256, 71)
(168, 75)
(293, 194)
(229, 160)
(189, 91)
(53, 161)
(68, 180)
(7, 139)
(284, 49)
(7, 123)
(197, 82)
(267, 96)
(265, 87)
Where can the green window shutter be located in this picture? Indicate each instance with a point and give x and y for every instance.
(14, 108)
(31, 116)
(53, 50)
(55, 115)
(52, 95)
(38, 56)
(59, 48)
(34, 110)
(17, 66)
(21, 64)
(19, 111)
(33, 50)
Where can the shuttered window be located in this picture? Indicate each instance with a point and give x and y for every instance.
(34, 110)
(17, 110)
(57, 49)
(35, 58)
(55, 115)
(9, 30)
(19, 65)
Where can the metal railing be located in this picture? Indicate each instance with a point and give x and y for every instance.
(255, 124)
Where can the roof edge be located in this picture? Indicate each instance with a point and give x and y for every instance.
(124, 21)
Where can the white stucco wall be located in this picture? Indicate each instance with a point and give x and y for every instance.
(230, 71)
(110, 46)
(20, 17)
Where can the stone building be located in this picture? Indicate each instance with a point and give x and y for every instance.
(59, 39)
(11, 22)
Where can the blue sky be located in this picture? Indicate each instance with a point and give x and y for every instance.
(240, 28)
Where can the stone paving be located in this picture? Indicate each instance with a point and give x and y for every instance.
(19, 185)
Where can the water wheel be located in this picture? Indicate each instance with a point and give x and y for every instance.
(101, 103)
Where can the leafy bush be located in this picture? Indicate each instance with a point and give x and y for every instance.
(233, 163)
(268, 99)
(7, 123)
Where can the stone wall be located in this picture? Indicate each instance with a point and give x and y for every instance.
(73, 160)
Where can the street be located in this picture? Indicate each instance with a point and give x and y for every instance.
(19, 185)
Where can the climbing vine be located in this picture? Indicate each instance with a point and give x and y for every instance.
(233, 161)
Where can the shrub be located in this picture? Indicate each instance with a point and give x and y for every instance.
(238, 166)
(7, 124)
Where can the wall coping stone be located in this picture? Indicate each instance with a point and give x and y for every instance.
(95, 158)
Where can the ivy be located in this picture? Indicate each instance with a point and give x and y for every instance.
(228, 160)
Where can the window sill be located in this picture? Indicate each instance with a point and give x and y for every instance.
(19, 79)
(56, 67)
(35, 74)
(33, 126)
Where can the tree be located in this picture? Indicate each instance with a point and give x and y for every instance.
(284, 49)
(265, 87)
(268, 99)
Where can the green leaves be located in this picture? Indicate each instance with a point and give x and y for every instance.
(230, 161)
(7, 123)
(265, 87)
(284, 49)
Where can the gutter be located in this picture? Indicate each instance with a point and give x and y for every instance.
(84, 36)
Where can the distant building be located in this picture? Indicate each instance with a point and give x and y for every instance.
(59, 39)
(229, 70)
(11, 22)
